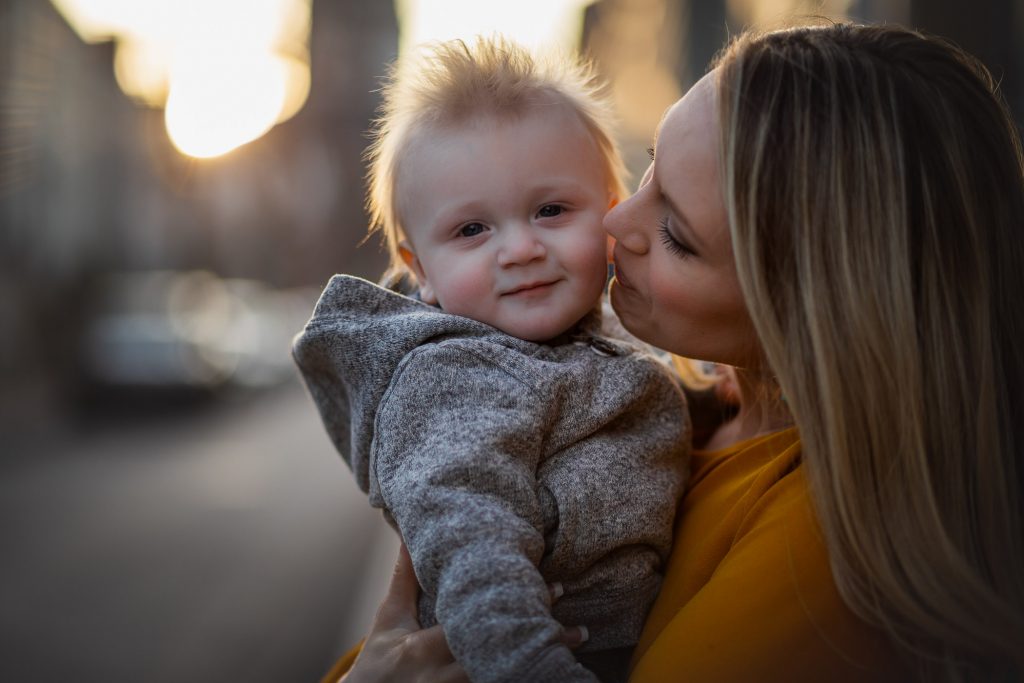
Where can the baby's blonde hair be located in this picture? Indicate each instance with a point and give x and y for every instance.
(453, 82)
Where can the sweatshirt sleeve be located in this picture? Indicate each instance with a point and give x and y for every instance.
(456, 451)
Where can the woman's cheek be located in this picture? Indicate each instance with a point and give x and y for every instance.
(668, 290)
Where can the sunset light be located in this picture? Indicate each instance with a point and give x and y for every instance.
(216, 106)
(226, 71)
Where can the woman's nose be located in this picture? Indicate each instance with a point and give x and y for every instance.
(520, 245)
(625, 225)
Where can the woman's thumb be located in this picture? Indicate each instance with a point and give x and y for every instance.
(399, 609)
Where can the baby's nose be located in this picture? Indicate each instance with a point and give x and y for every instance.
(520, 245)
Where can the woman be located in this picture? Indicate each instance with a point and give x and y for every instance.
(835, 211)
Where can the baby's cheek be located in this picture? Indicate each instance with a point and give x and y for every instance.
(594, 260)
(463, 290)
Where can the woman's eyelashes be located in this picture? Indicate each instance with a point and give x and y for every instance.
(670, 241)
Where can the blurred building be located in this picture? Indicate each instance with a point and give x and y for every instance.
(90, 184)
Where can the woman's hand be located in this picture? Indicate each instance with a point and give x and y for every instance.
(397, 649)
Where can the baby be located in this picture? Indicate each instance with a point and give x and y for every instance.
(510, 439)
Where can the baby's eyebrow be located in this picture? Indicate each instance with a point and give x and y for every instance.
(459, 211)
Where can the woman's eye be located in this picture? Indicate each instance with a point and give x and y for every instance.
(471, 229)
(673, 245)
(549, 211)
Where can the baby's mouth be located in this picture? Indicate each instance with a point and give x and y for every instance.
(531, 287)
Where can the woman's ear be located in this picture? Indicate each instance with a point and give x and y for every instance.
(413, 263)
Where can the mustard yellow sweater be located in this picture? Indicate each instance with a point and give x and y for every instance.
(748, 594)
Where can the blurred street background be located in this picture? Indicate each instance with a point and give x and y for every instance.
(178, 179)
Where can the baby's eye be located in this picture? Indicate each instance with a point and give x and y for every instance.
(549, 211)
(471, 229)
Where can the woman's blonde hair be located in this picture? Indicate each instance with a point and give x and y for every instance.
(450, 83)
(874, 184)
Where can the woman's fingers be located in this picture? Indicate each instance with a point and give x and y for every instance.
(399, 615)
(399, 611)
(574, 636)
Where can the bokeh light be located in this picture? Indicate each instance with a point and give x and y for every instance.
(216, 105)
(227, 71)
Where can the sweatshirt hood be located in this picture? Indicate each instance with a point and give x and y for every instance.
(349, 351)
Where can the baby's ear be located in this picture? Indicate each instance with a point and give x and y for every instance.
(413, 263)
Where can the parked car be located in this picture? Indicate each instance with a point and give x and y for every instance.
(189, 330)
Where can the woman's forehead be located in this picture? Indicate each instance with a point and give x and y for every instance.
(693, 113)
(686, 164)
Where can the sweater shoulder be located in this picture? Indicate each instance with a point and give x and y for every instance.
(470, 360)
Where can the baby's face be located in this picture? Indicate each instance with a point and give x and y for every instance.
(503, 219)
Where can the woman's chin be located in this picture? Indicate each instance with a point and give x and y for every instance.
(624, 303)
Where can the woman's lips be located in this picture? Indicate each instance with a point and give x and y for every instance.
(620, 277)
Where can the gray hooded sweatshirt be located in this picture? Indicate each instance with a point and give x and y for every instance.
(505, 465)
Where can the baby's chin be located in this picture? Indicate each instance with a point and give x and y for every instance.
(542, 329)
(537, 333)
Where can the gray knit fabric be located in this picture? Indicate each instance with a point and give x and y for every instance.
(505, 465)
